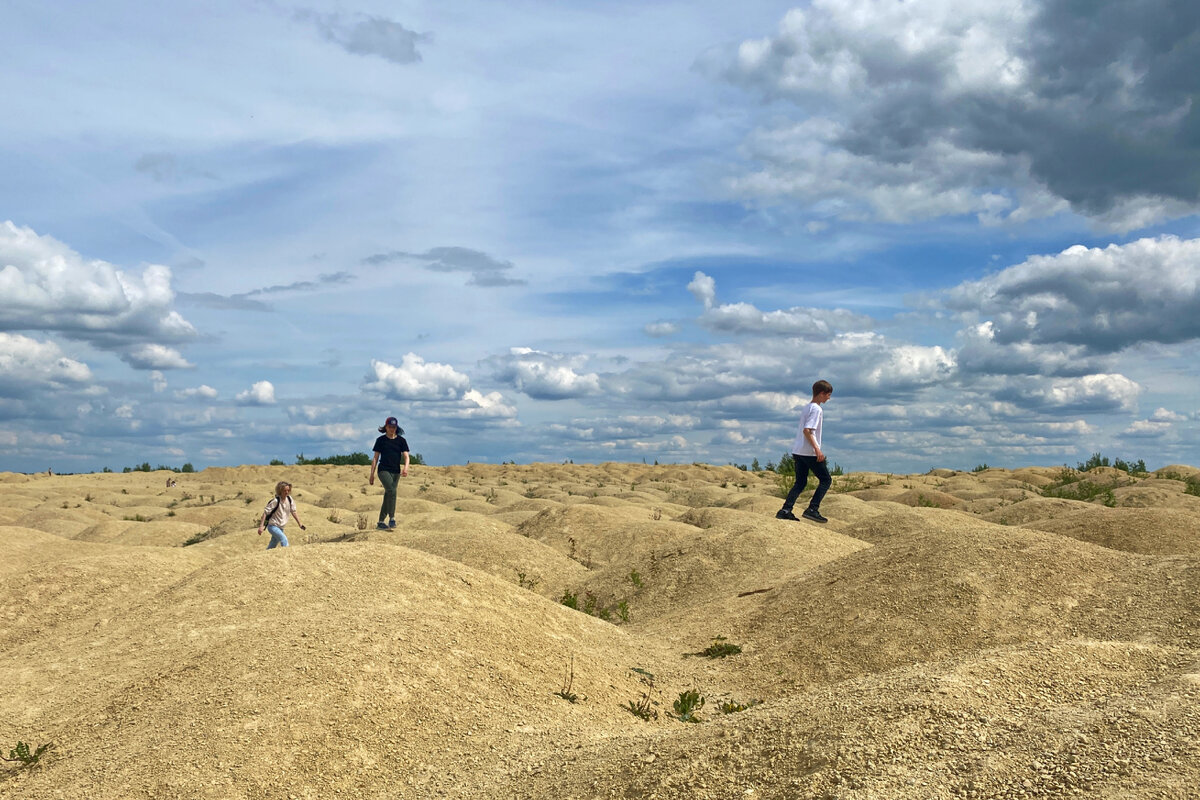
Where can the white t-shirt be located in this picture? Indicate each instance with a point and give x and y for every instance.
(810, 417)
(279, 512)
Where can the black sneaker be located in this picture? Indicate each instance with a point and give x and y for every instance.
(815, 516)
(783, 514)
(381, 525)
(392, 523)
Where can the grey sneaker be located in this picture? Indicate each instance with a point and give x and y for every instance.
(381, 525)
(781, 514)
(815, 516)
(392, 522)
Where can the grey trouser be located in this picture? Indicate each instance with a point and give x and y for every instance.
(389, 481)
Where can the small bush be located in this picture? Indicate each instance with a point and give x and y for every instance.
(568, 681)
(361, 522)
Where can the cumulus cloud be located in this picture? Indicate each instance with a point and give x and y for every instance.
(484, 269)
(545, 376)
(28, 364)
(745, 318)
(1096, 300)
(262, 393)
(46, 286)
(416, 379)
(367, 35)
(203, 391)
(158, 381)
(1090, 393)
(1147, 429)
(660, 329)
(979, 352)
(155, 357)
(917, 110)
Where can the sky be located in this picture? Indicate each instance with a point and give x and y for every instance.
(234, 231)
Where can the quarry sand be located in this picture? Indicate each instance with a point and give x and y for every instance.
(945, 635)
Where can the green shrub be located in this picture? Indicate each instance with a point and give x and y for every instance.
(688, 704)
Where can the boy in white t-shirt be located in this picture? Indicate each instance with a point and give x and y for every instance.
(808, 456)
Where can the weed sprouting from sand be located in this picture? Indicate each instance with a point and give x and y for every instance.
(734, 707)
(570, 600)
(361, 522)
(623, 610)
(334, 517)
(526, 581)
(657, 515)
(568, 681)
(925, 502)
(21, 755)
(687, 705)
(635, 578)
(719, 649)
(643, 706)
(137, 518)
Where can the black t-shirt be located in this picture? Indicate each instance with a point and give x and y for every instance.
(390, 453)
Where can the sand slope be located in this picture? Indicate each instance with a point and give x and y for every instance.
(946, 635)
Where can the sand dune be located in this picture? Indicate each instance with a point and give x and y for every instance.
(946, 635)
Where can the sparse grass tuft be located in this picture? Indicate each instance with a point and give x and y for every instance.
(334, 517)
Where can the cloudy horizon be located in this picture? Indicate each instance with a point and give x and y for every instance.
(603, 232)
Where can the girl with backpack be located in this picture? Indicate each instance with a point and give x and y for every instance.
(275, 515)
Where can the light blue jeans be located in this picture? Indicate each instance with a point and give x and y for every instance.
(277, 537)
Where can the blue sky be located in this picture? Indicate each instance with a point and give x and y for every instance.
(232, 232)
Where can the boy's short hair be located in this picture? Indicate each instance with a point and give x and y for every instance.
(821, 387)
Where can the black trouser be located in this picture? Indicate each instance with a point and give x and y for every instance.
(803, 465)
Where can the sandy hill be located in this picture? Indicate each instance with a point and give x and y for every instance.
(990, 634)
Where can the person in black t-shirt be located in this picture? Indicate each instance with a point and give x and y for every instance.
(391, 456)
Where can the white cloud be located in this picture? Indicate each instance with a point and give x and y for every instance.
(909, 111)
(745, 318)
(545, 376)
(46, 286)
(154, 356)
(416, 379)
(1166, 415)
(1147, 429)
(27, 364)
(262, 393)
(660, 329)
(1098, 300)
(475, 405)
(158, 381)
(338, 432)
(203, 391)
(1096, 393)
